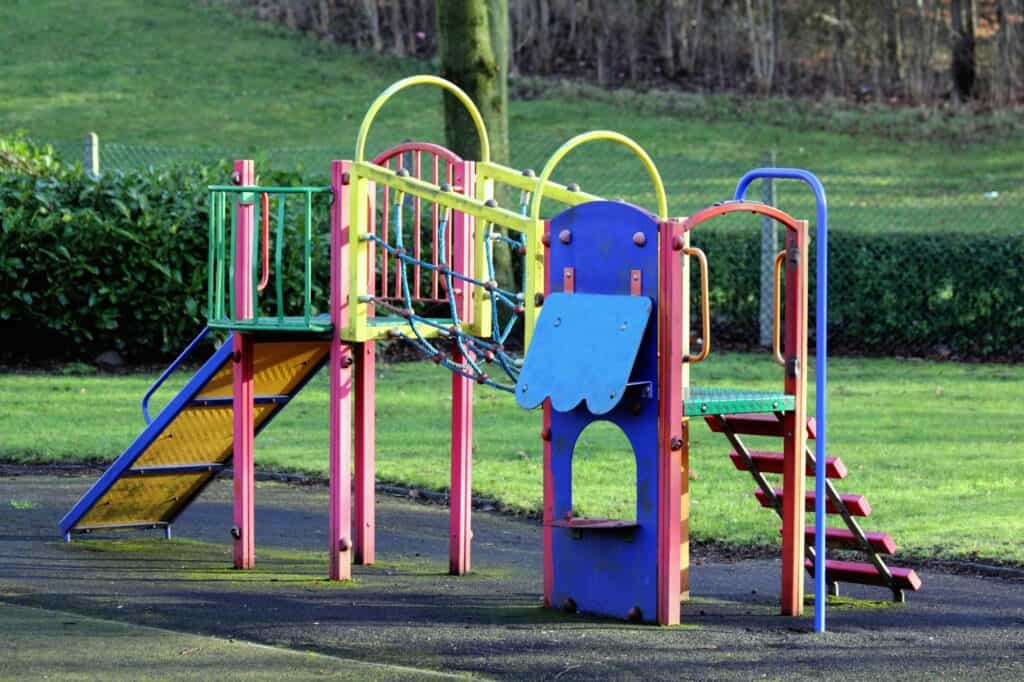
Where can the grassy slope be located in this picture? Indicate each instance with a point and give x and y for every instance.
(932, 445)
(167, 72)
(938, 467)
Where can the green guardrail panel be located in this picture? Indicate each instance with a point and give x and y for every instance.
(698, 402)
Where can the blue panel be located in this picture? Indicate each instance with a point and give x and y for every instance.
(609, 572)
(583, 348)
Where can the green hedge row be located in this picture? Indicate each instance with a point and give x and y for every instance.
(119, 263)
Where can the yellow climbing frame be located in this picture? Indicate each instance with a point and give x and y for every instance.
(477, 204)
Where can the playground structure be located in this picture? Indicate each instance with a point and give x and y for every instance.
(605, 310)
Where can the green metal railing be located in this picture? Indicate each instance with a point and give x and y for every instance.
(223, 225)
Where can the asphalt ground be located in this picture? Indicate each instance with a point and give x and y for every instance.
(406, 611)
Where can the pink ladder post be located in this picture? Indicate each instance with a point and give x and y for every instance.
(545, 434)
(365, 428)
(242, 379)
(340, 368)
(460, 513)
(363, 513)
(672, 446)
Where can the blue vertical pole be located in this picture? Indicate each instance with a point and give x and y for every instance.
(820, 365)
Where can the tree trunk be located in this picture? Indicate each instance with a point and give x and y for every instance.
(473, 47)
(893, 43)
(964, 70)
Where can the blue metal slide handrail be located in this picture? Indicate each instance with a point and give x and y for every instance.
(170, 370)
(820, 364)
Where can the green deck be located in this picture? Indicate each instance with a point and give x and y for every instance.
(320, 324)
(701, 401)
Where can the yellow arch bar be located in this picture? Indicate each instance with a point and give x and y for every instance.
(592, 136)
(405, 83)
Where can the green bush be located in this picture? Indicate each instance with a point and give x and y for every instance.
(119, 262)
(110, 263)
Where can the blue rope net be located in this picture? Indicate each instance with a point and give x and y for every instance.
(474, 354)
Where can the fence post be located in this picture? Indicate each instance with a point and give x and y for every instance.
(91, 160)
(769, 247)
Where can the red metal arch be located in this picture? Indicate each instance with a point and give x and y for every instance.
(724, 208)
(433, 149)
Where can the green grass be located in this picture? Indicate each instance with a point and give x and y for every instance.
(934, 446)
(181, 74)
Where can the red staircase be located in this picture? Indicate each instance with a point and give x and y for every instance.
(874, 571)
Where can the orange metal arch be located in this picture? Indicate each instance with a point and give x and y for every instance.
(726, 207)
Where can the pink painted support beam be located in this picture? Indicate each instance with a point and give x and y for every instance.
(365, 432)
(244, 550)
(672, 435)
(549, 479)
(461, 505)
(340, 369)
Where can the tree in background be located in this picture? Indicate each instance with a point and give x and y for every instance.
(473, 47)
(963, 66)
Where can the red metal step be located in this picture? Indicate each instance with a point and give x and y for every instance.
(867, 574)
(842, 537)
(771, 462)
(757, 424)
(857, 504)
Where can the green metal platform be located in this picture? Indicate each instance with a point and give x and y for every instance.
(698, 402)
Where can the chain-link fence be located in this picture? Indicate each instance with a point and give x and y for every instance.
(927, 265)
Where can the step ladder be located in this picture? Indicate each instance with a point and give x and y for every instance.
(848, 507)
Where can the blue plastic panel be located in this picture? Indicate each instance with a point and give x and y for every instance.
(583, 349)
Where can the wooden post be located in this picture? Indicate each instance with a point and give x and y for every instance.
(340, 368)
(91, 158)
(795, 422)
(461, 502)
(242, 380)
(672, 451)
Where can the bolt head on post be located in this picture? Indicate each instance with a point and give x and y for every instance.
(565, 236)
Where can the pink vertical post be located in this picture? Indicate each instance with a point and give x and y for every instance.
(242, 380)
(364, 511)
(365, 429)
(549, 479)
(340, 368)
(672, 446)
(461, 503)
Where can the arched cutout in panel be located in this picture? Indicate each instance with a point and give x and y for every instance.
(604, 474)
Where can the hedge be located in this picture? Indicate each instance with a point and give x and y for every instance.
(119, 263)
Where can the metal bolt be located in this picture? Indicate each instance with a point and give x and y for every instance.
(545, 239)
(403, 172)
(345, 178)
(565, 236)
(623, 326)
(524, 388)
(491, 203)
(528, 172)
(558, 322)
(676, 443)
(639, 238)
(236, 356)
(545, 435)
(446, 187)
(347, 361)
(569, 605)
(236, 178)
(611, 394)
(343, 544)
(538, 300)
(236, 532)
(677, 243)
(573, 187)
(635, 614)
